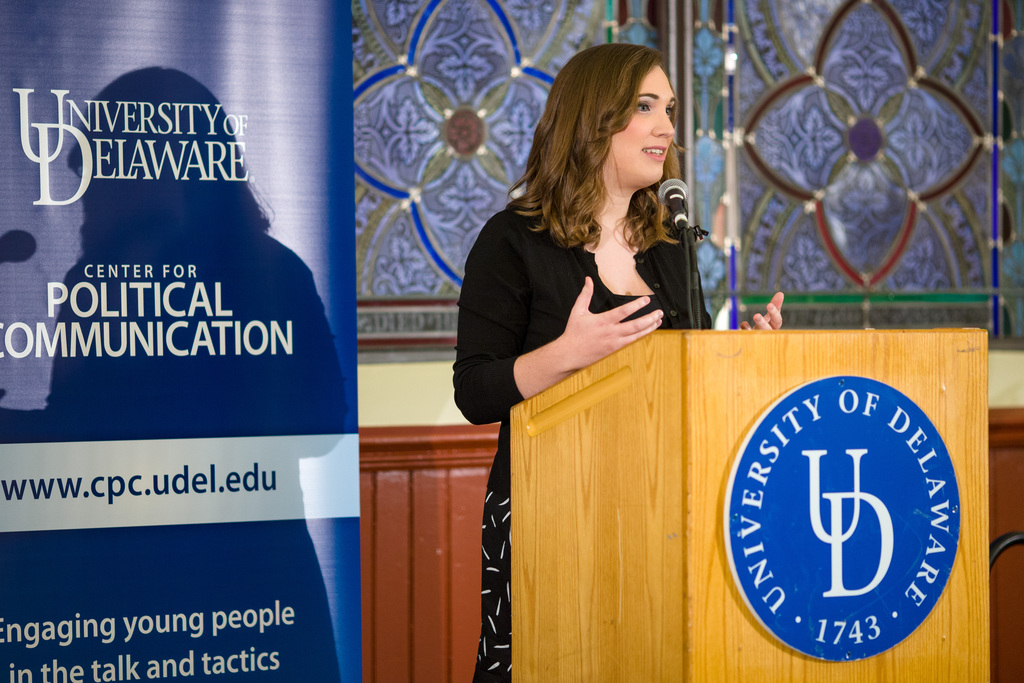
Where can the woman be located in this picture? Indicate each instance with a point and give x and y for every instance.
(578, 265)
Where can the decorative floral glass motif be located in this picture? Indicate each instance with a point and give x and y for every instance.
(865, 167)
(446, 97)
(1011, 168)
(709, 56)
(849, 153)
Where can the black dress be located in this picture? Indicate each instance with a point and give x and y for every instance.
(518, 290)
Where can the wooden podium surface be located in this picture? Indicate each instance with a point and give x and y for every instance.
(619, 475)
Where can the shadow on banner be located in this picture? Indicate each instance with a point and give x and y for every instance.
(182, 324)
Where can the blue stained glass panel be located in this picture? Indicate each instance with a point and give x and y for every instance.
(446, 97)
(872, 122)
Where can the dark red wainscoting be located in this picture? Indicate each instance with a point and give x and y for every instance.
(422, 496)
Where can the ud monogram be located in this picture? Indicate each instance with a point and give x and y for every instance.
(842, 518)
(835, 537)
(46, 156)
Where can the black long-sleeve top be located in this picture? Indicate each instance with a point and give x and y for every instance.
(518, 290)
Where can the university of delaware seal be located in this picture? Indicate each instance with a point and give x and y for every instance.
(842, 518)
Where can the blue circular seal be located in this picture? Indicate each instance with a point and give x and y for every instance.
(842, 518)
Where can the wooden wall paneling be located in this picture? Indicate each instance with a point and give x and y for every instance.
(1006, 514)
(367, 562)
(393, 632)
(395, 617)
(468, 485)
(423, 490)
(431, 608)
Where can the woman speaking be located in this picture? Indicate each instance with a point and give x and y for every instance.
(582, 262)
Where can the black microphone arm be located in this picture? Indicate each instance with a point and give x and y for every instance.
(675, 196)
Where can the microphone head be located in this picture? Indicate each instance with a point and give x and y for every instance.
(672, 187)
(16, 246)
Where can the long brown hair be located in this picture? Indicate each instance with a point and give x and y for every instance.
(593, 97)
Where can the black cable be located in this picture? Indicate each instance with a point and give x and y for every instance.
(695, 305)
(1002, 543)
(690, 254)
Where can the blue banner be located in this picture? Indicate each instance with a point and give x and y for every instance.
(178, 430)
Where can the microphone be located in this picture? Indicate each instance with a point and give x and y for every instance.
(16, 246)
(674, 195)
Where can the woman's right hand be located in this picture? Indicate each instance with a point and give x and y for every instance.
(596, 335)
(588, 337)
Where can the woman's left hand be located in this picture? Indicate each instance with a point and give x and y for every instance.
(772, 318)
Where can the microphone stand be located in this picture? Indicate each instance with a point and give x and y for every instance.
(693, 302)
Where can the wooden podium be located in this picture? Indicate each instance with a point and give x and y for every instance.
(619, 475)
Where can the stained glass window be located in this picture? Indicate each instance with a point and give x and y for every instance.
(446, 96)
(857, 147)
(864, 157)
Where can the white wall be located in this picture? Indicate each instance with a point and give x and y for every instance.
(395, 394)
